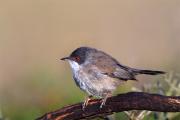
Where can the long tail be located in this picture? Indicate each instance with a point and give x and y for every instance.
(148, 72)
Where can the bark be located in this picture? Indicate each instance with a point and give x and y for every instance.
(119, 103)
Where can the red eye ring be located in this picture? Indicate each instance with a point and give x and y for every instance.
(77, 58)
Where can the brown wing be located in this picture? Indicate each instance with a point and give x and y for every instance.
(111, 67)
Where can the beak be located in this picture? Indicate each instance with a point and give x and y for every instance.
(65, 58)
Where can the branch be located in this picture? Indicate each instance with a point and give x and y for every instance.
(119, 103)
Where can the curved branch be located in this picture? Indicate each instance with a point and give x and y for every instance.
(119, 103)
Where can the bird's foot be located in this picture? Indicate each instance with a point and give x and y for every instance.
(85, 104)
(103, 103)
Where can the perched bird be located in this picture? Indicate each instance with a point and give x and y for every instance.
(99, 74)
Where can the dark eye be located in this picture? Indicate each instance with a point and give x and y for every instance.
(77, 58)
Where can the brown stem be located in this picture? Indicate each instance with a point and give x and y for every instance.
(119, 103)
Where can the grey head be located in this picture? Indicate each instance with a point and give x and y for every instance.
(80, 54)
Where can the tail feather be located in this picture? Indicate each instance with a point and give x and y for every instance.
(149, 72)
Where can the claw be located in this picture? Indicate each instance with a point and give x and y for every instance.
(102, 104)
(104, 100)
(85, 104)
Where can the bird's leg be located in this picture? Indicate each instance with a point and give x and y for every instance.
(104, 99)
(86, 101)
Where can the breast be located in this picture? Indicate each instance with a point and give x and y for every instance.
(76, 68)
(91, 80)
(95, 83)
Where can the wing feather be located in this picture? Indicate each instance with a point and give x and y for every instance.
(111, 67)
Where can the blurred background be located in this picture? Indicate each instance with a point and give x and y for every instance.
(35, 34)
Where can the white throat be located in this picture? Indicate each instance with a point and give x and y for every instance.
(74, 65)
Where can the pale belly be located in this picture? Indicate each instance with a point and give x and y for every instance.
(98, 86)
(92, 81)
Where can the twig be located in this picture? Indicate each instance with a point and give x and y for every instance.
(119, 103)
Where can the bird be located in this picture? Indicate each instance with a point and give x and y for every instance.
(99, 74)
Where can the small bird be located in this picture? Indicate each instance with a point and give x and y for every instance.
(99, 74)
